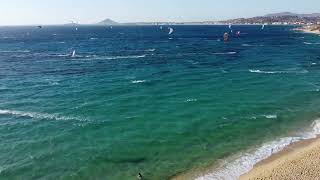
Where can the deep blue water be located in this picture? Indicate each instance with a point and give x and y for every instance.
(135, 99)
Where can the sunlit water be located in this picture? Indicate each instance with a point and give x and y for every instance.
(135, 99)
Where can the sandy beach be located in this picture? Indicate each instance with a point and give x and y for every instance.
(309, 30)
(300, 160)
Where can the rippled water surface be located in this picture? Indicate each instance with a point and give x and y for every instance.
(135, 99)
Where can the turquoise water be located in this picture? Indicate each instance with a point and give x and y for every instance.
(134, 99)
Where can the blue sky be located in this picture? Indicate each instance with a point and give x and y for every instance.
(14, 12)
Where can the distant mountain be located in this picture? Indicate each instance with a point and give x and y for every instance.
(107, 22)
(284, 18)
(293, 14)
(281, 14)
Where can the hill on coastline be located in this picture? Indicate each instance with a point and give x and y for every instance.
(107, 22)
(293, 14)
(278, 18)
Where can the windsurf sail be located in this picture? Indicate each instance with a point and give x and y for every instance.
(230, 27)
(73, 53)
(170, 30)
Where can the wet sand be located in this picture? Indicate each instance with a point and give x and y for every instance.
(300, 160)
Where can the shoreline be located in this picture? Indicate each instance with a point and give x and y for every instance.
(247, 165)
(298, 160)
(302, 143)
(310, 30)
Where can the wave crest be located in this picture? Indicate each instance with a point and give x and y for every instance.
(138, 81)
(244, 162)
(36, 115)
(225, 53)
(309, 43)
(94, 57)
(275, 72)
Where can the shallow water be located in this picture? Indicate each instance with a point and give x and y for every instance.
(134, 99)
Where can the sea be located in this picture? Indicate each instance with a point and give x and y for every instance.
(99, 102)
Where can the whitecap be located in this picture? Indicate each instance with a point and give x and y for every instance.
(36, 115)
(263, 72)
(57, 55)
(14, 51)
(191, 100)
(138, 81)
(242, 163)
(126, 57)
(150, 50)
(309, 43)
(276, 72)
(225, 53)
(271, 116)
(95, 57)
(53, 83)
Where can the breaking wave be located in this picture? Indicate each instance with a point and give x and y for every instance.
(275, 72)
(138, 81)
(225, 53)
(233, 168)
(309, 43)
(36, 115)
(14, 51)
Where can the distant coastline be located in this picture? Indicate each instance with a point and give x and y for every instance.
(309, 29)
(284, 18)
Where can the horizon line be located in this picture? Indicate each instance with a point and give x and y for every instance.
(142, 22)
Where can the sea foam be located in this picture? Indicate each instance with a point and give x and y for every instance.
(14, 51)
(225, 53)
(94, 57)
(277, 72)
(138, 81)
(36, 115)
(234, 167)
(309, 43)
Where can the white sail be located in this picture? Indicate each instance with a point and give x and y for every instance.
(262, 26)
(73, 53)
(170, 30)
(230, 26)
